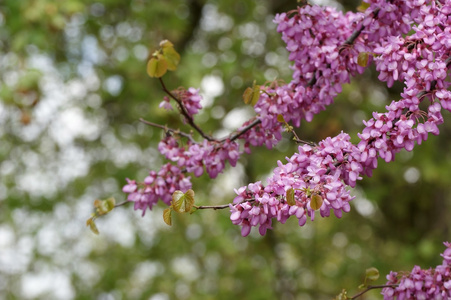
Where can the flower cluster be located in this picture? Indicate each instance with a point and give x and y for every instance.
(193, 157)
(318, 174)
(319, 69)
(421, 284)
(156, 186)
(325, 46)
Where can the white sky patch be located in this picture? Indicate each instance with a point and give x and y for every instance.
(212, 20)
(72, 123)
(48, 283)
(364, 206)
(227, 181)
(113, 84)
(118, 227)
(211, 86)
(185, 267)
(328, 3)
(236, 117)
(412, 175)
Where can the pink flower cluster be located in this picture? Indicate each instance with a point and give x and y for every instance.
(422, 284)
(328, 169)
(320, 171)
(156, 186)
(324, 46)
(314, 36)
(193, 157)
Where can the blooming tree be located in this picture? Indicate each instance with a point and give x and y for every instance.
(408, 41)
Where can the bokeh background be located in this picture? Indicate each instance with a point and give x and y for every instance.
(73, 85)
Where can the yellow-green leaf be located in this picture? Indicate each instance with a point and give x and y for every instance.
(92, 225)
(290, 197)
(316, 201)
(252, 94)
(247, 96)
(167, 216)
(97, 203)
(110, 203)
(372, 274)
(363, 7)
(183, 202)
(104, 206)
(157, 66)
(172, 58)
(255, 94)
(280, 119)
(166, 43)
(362, 59)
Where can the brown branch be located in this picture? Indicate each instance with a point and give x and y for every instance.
(122, 204)
(240, 133)
(165, 128)
(222, 206)
(214, 207)
(185, 113)
(298, 140)
(371, 287)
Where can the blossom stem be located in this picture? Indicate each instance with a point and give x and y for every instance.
(372, 287)
(246, 129)
(214, 207)
(165, 128)
(222, 206)
(122, 204)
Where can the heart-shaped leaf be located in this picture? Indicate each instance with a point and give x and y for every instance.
(316, 201)
(157, 66)
(290, 197)
(183, 202)
(167, 216)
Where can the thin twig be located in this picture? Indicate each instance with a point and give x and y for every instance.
(372, 287)
(122, 203)
(165, 128)
(214, 207)
(222, 206)
(185, 113)
(240, 133)
(298, 140)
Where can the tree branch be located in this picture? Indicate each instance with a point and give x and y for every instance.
(246, 129)
(185, 113)
(372, 287)
(165, 128)
(214, 207)
(122, 203)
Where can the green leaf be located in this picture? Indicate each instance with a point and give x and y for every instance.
(92, 225)
(372, 274)
(167, 216)
(316, 201)
(157, 66)
(290, 197)
(280, 119)
(166, 44)
(104, 206)
(362, 59)
(252, 94)
(172, 58)
(183, 202)
(110, 203)
(363, 6)
(342, 296)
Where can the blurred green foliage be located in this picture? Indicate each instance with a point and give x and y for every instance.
(73, 86)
